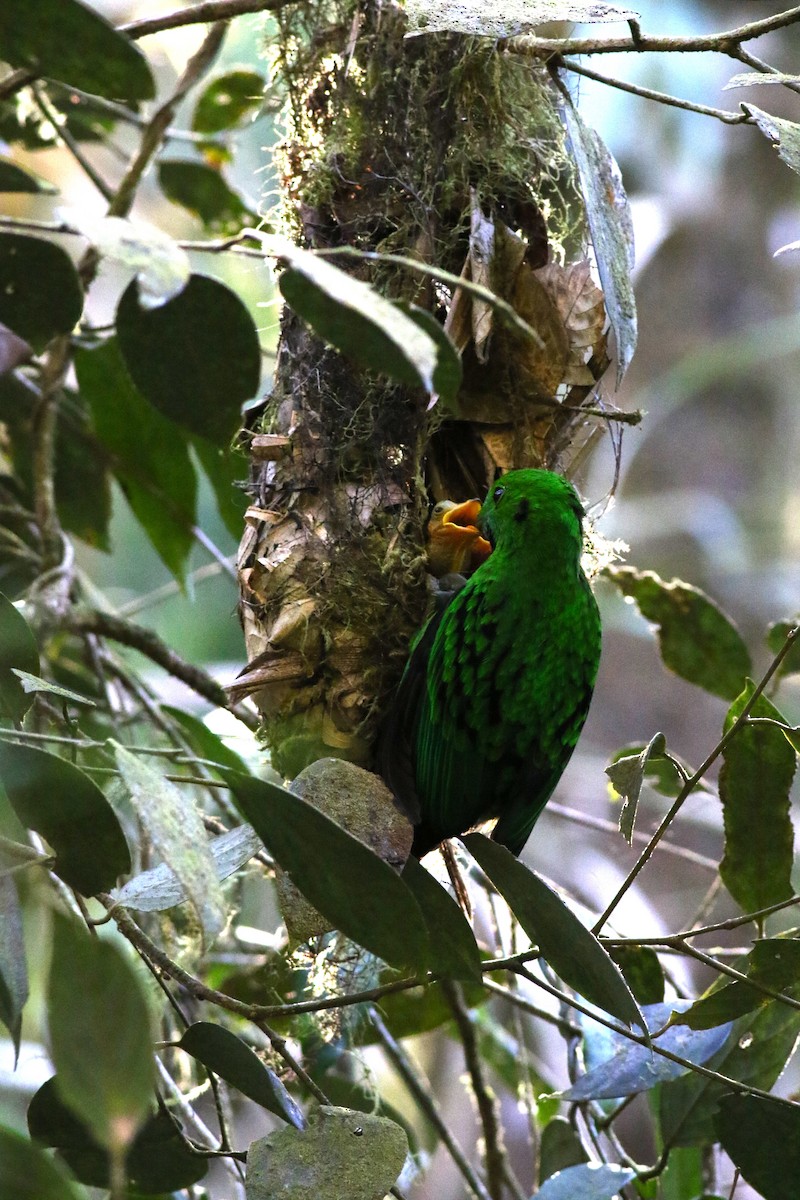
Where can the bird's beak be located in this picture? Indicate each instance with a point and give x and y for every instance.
(465, 516)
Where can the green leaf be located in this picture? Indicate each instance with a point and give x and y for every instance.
(754, 781)
(784, 135)
(203, 191)
(67, 40)
(627, 776)
(560, 1148)
(175, 828)
(762, 1139)
(17, 651)
(642, 970)
(14, 178)
(587, 1181)
(54, 797)
(37, 313)
(196, 358)
(349, 884)
(512, 18)
(149, 454)
(27, 1173)
(683, 1175)
(774, 962)
(13, 969)
(159, 888)
(32, 684)
(341, 1153)
(453, 945)
(226, 1055)
(633, 1068)
(776, 637)
(226, 469)
(363, 324)
(227, 100)
(99, 1035)
(449, 371)
(159, 1160)
(609, 219)
(755, 1054)
(570, 948)
(696, 639)
(205, 743)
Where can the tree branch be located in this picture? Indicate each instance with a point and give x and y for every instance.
(722, 114)
(201, 14)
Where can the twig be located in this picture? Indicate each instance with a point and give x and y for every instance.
(420, 1090)
(45, 419)
(722, 114)
(160, 122)
(151, 645)
(493, 1149)
(611, 827)
(71, 143)
(691, 783)
(725, 42)
(200, 14)
(731, 923)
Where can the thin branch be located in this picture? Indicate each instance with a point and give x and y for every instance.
(200, 14)
(486, 1101)
(635, 89)
(420, 1090)
(611, 827)
(731, 923)
(725, 42)
(72, 143)
(151, 645)
(157, 127)
(691, 783)
(45, 419)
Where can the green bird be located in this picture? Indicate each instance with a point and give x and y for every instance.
(498, 683)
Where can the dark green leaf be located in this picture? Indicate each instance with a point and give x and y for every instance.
(762, 1138)
(448, 374)
(203, 191)
(13, 969)
(83, 485)
(560, 1148)
(17, 650)
(784, 135)
(94, 995)
(754, 1053)
(35, 313)
(175, 829)
(610, 225)
(359, 321)
(776, 637)
(27, 1173)
(196, 358)
(342, 1153)
(14, 178)
(203, 741)
(696, 639)
(571, 950)
(67, 40)
(226, 470)
(60, 802)
(754, 781)
(642, 970)
(773, 962)
(158, 1161)
(226, 1055)
(683, 1175)
(349, 884)
(627, 776)
(587, 1181)
(453, 946)
(513, 17)
(149, 453)
(634, 1068)
(227, 100)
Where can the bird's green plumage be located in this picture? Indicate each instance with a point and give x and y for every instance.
(498, 684)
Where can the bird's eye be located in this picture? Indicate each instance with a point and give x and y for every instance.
(497, 493)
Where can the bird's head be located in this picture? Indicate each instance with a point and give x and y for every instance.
(454, 540)
(533, 507)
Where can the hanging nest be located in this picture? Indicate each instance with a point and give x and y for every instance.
(448, 150)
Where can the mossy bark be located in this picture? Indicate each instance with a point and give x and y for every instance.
(448, 150)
